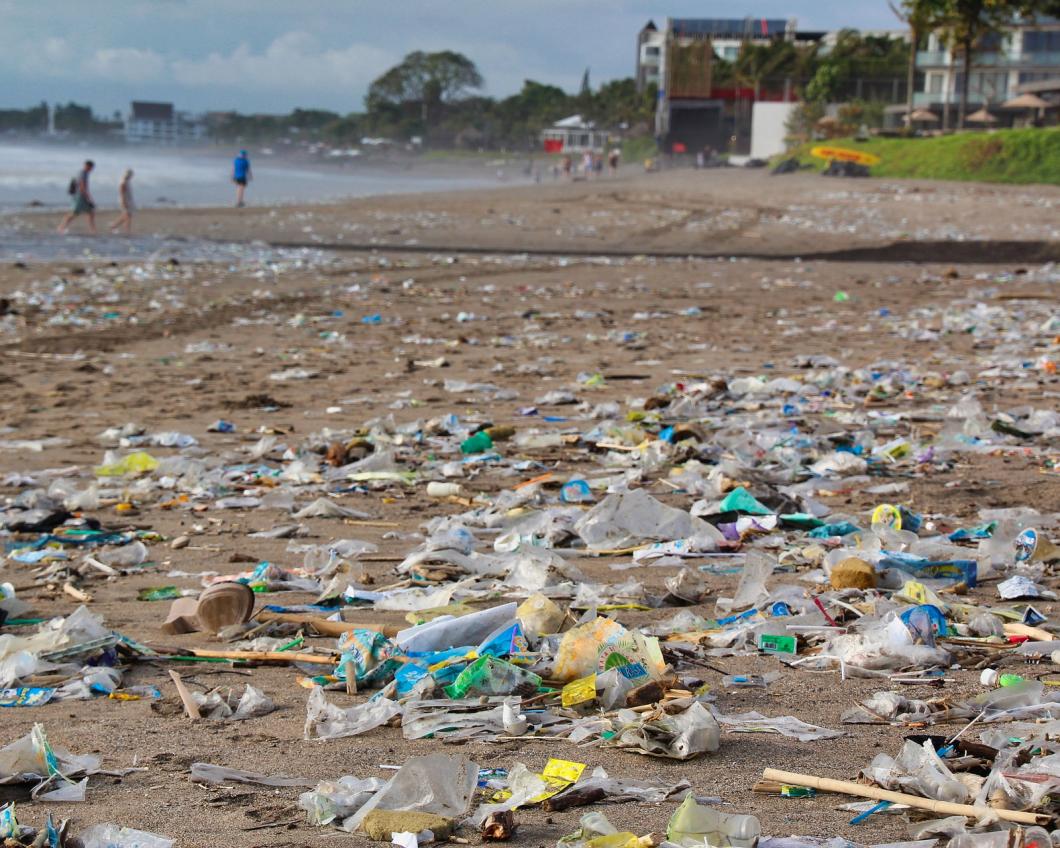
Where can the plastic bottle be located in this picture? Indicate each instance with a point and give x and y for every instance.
(993, 678)
(437, 489)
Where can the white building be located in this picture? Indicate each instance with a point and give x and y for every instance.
(574, 135)
(160, 123)
(1027, 52)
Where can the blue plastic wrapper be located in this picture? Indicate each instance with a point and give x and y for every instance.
(957, 570)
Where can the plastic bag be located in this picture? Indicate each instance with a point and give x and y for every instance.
(523, 785)
(326, 721)
(602, 644)
(679, 737)
(629, 518)
(540, 616)
(338, 799)
(493, 676)
(694, 825)
(436, 783)
(115, 836)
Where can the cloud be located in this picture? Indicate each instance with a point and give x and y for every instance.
(125, 64)
(292, 62)
(56, 50)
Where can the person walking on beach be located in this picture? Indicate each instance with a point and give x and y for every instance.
(82, 199)
(241, 175)
(125, 201)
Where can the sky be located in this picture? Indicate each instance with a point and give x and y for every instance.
(274, 55)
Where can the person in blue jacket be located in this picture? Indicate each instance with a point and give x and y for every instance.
(241, 176)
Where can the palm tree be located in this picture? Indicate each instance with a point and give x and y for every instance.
(922, 16)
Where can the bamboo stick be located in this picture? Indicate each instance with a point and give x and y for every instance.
(846, 787)
(190, 706)
(267, 656)
(325, 627)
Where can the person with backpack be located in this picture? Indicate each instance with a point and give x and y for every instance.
(82, 199)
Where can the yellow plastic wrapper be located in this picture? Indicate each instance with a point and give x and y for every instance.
(580, 691)
(558, 774)
(137, 462)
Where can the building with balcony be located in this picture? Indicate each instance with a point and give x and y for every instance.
(1027, 52)
(161, 123)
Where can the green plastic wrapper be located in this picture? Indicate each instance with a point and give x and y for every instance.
(493, 676)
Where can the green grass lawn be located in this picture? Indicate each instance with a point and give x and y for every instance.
(1004, 156)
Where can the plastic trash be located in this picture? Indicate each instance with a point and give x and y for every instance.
(539, 616)
(493, 676)
(629, 518)
(338, 799)
(694, 824)
(436, 783)
(222, 774)
(449, 632)
(115, 836)
(603, 644)
(326, 721)
(680, 737)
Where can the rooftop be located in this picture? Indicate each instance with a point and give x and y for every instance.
(143, 110)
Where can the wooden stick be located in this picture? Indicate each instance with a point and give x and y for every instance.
(1018, 628)
(266, 656)
(75, 593)
(325, 627)
(190, 707)
(846, 787)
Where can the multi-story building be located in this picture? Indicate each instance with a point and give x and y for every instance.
(726, 37)
(691, 111)
(161, 123)
(1026, 52)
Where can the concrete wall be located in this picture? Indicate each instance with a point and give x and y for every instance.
(767, 128)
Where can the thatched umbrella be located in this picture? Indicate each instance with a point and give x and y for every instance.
(925, 116)
(1026, 102)
(1032, 104)
(982, 116)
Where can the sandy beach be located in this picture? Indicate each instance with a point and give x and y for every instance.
(379, 303)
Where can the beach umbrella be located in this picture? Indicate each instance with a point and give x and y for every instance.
(1026, 101)
(982, 116)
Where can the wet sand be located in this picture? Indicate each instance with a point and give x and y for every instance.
(175, 346)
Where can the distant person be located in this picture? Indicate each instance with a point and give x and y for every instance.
(587, 164)
(125, 202)
(241, 175)
(568, 167)
(612, 161)
(82, 199)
